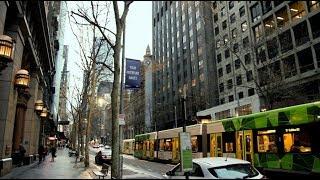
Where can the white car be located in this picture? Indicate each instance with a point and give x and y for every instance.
(217, 168)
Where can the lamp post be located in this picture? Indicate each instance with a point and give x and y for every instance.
(7, 45)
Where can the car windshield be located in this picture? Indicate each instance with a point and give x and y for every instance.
(234, 171)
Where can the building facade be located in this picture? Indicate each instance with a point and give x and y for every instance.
(34, 54)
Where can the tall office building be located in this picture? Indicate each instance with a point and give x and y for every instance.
(183, 60)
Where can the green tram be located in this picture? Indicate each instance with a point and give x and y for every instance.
(281, 140)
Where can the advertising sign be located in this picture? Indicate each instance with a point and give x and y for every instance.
(185, 151)
(132, 73)
(121, 119)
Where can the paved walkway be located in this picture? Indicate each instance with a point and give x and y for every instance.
(64, 167)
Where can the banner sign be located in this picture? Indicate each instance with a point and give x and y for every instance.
(185, 151)
(132, 73)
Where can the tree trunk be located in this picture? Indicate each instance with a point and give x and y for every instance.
(115, 107)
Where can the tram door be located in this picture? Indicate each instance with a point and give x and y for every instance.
(239, 143)
(248, 145)
(216, 145)
(175, 150)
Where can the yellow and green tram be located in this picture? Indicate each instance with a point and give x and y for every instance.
(128, 146)
(283, 140)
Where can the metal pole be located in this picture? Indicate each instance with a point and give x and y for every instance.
(175, 115)
(121, 100)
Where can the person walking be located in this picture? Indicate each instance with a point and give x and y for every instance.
(41, 152)
(53, 152)
(22, 151)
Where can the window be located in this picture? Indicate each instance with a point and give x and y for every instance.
(220, 72)
(247, 59)
(289, 66)
(196, 170)
(244, 26)
(231, 98)
(215, 17)
(229, 140)
(222, 11)
(234, 33)
(224, 24)
(317, 50)
(249, 76)
(272, 46)
(237, 63)
(219, 58)
(240, 95)
(301, 33)
(313, 5)
(226, 53)
(222, 101)
(267, 141)
(315, 25)
(222, 115)
(266, 6)
(269, 25)
(225, 38)
(218, 44)
(236, 47)
(242, 11)
(228, 68)
(261, 54)
(216, 30)
(251, 92)
(258, 33)
(297, 140)
(256, 12)
(221, 87)
(195, 143)
(232, 18)
(305, 60)
(282, 17)
(239, 80)
(297, 10)
(229, 83)
(245, 42)
(285, 41)
(231, 4)
(224, 172)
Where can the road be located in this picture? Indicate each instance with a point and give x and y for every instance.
(142, 168)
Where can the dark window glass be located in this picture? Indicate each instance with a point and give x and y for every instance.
(224, 24)
(215, 17)
(245, 42)
(305, 60)
(301, 33)
(231, 4)
(237, 63)
(249, 76)
(261, 54)
(285, 41)
(216, 30)
(315, 25)
(240, 95)
(229, 83)
(227, 53)
(317, 50)
(233, 18)
(272, 46)
(250, 91)
(221, 87)
(239, 80)
(228, 68)
(231, 98)
(256, 12)
(219, 58)
(242, 11)
(247, 59)
(289, 66)
(236, 47)
(222, 101)
(266, 6)
(220, 72)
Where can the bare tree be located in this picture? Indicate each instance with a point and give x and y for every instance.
(93, 18)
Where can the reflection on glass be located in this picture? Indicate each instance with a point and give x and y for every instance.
(248, 143)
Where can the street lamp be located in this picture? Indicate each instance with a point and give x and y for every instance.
(44, 113)
(38, 106)
(7, 45)
(22, 79)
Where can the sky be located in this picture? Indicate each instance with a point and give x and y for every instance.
(138, 37)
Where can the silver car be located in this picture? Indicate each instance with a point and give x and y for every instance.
(217, 168)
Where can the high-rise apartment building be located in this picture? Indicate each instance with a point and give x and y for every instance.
(183, 61)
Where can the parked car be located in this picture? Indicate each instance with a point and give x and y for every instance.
(217, 168)
(103, 156)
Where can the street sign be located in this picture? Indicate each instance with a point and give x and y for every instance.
(121, 119)
(185, 151)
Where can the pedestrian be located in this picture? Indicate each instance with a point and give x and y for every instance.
(53, 152)
(41, 152)
(22, 151)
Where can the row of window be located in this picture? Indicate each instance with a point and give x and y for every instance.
(230, 98)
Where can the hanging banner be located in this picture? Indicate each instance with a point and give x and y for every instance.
(185, 151)
(132, 73)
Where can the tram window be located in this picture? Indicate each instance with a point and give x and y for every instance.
(148, 145)
(137, 146)
(248, 143)
(140, 146)
(168, 145)
(194, 143)
(229, 141)
(161, 144)
(267, 141)
(297, 140)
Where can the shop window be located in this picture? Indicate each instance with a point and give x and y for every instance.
(267, 141)
(229, 141)
(231, 98)
(256, 12)
(272, 46)
(282, 17)
(269, 25)
(289, 66)
(305, 60)
(258, 32)
(297, 140)
(315, 25)
(285, 41)
(242, 11)
(244, 26)
(301, 33)
(313, 5)
(297, 10)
